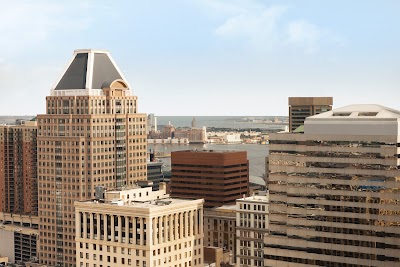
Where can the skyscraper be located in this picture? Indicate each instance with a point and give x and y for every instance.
(91, 134)
(335, 191)
(302, 107)
(18, 168)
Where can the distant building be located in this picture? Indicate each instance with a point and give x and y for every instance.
(251, 227)
(194, 135)
(168, 131)
(151, 123)
(139, 227)
(154, 171)
(220, 228)
(232, 138)
(220, 177)
(334, 190)
(18, 168)
(194, 123)
(302, 107)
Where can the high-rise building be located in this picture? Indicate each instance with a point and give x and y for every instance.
(335, 191)
(220, 177)
(302, 107)
(18, 168)
(139, 227)
(251, 227)
(91, 134)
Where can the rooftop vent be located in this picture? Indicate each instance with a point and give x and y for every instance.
(367, 114)
(341, 114)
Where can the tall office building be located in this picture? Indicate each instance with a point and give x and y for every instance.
(302, 107)
(220, 177)
(335, 191)
(91, 134)
(139, 227)
(18, 168)
(151, 123)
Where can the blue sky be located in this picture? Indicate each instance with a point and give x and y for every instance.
(205, 57)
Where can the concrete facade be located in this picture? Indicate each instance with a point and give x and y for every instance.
(139, 227)
(335, 191)
(220, 228)
(251, 227)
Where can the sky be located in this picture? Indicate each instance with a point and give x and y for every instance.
(207, 57)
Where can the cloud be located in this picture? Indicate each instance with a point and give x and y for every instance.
(304, 34)
(26, 23)
(269, 27)
(257, 27)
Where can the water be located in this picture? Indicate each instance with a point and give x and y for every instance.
(233, 122)
(255, 153)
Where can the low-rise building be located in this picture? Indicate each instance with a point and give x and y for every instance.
(251, 226)
(220, 228)
(139, 227)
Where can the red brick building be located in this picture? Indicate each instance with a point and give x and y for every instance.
(18, 168)
(220, 177)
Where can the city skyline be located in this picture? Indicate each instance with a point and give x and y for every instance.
(208, 57)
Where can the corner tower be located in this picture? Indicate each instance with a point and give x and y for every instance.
(91, 134)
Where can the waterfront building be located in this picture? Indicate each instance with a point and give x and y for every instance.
(220, 228)
(168, 131)
(251, 227)
(18, 168)
(194, 135)
(334, 191)
(151, 123)
(220, 177)
(302, 107)
(139, 227)
(91, 135)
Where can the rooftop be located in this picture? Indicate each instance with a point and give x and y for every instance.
(359, 111)
(20, 229)
(255, 198)
(140, 204)
(89, 69)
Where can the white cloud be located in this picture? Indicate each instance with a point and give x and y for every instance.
(26, 23)
(304, 34)
(268, 27)
(257, 27)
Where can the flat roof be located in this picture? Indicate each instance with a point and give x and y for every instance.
(141, 204)
(19, 229)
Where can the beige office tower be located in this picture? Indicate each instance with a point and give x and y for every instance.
(335, 191)
(139, 227)
(90, 135)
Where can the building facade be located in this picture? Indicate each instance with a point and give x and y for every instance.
(302, 107)
(251, 227)
(19, 236)
(220, 177)
(220, 228)
(18, 168)
(335, 191)
(139, 227)
(91, 135)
